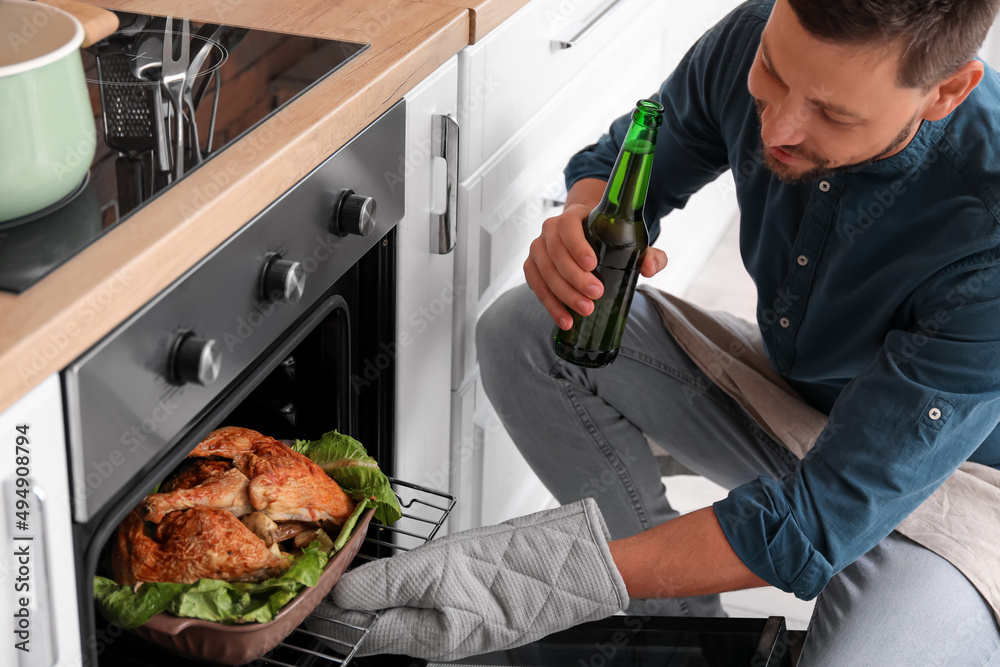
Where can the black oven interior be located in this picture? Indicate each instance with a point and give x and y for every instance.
(305, 384)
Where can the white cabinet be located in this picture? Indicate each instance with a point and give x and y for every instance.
(36, 566)
(425, 288)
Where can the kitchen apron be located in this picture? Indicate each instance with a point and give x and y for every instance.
(959, 522)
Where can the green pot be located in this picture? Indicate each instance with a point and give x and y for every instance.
(47, 131)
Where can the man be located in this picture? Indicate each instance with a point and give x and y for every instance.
(859, 133)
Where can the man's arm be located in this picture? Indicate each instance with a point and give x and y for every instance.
(686, 556)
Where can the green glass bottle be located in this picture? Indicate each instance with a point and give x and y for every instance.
(617, 233)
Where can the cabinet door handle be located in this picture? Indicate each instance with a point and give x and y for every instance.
(595, 21)
(444, 226)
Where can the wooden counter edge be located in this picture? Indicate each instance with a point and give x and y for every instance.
(486, 15)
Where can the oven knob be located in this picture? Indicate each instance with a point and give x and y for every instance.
(195, 360)
(353, 214)
(283, 280)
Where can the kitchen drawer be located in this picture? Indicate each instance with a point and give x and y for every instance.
(518, 68)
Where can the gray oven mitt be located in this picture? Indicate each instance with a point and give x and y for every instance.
(485, 589)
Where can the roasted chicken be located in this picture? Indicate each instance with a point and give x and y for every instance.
(287, 486)
(224, 489)
(194, 473)
(234, 472)
(191, 544)
(268, 476)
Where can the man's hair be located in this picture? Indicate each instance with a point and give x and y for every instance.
(935, 37)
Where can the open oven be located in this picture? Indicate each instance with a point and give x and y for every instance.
(276, 330)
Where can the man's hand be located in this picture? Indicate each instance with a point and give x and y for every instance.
(485, 589)
(560, 260)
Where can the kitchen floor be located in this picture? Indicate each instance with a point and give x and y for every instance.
(723, 284)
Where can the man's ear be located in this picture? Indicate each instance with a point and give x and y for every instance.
(951, 92)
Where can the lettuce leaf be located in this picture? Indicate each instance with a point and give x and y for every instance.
(211, 599)
(345, 531)
(345, 460)
(129, 607)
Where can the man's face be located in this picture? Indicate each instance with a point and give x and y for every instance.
(827, 107)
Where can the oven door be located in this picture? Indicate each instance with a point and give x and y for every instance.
(287, 328)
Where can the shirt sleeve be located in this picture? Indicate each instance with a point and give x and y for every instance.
(896, 433)
(690, 147)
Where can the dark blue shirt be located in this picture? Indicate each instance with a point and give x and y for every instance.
(878, 300)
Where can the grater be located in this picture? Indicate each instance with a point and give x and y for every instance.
(129, 128)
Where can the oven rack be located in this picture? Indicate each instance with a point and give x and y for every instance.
(424, 512)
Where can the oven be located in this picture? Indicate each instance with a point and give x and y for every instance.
(276, 330)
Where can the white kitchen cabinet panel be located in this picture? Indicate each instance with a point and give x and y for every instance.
(490, 478)
(425, 292)
(466, 471)
(44, 572)
(515, 70)
(509, 487)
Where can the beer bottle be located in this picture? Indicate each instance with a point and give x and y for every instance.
(617, 233)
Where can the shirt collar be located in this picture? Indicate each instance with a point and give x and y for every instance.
(915, 152)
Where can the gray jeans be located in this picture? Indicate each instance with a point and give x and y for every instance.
(584, 434)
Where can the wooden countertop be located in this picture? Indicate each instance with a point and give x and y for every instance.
(485, 15)
(46, 327)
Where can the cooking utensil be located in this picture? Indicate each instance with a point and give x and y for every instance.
(147, 64)
(146, 58)
(126, 106)
(207, 35)
(174, 77)
(47, 133)
(208, 42)
(228, 39)
(217, 77)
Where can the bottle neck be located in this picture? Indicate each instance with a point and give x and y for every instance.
(626, 192)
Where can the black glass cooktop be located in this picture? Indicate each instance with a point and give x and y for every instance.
(235, 78)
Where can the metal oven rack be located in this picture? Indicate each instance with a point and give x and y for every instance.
(424, 512)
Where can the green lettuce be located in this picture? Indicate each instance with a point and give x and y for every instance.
(211, 599)
(346, 461)
(345, 530)
(133, 607)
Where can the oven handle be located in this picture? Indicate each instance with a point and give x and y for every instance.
(444, 225)
(44, 650)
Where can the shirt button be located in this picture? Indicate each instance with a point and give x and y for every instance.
(824, 186)
(803, 260)
(785, 322)
(934, 414)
